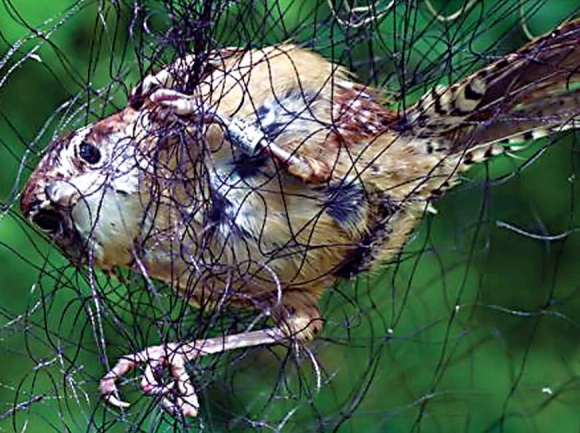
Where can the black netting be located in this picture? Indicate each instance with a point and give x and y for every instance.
(470, 327)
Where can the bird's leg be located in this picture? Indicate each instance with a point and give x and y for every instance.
(175, 356)
(179, 397)
(246, 136)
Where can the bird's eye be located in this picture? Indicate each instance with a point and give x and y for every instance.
(89, 152)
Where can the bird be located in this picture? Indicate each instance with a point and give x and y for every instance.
(258, 178)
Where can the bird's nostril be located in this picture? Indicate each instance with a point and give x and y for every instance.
(48, 220)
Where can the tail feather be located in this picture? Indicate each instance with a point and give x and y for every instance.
(547, 115)
(526, 95)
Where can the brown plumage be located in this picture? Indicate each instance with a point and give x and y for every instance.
(274, 175)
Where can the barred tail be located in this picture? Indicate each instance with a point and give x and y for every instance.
(526, 95)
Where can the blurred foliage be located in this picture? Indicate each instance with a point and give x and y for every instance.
(473, 329)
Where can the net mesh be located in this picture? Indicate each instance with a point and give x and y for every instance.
(472, 327)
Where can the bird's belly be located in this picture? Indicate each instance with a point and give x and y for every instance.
(271, 247)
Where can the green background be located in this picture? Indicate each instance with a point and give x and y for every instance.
(475, 328)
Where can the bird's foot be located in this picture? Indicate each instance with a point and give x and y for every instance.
(177, 398)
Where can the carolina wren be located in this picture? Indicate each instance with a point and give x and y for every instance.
(258, 178)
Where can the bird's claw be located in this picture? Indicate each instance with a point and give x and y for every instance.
(176, 102)
(115, 401)
(177, 398)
